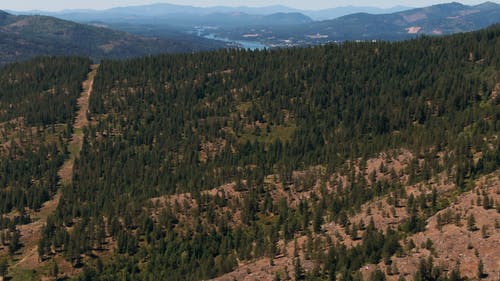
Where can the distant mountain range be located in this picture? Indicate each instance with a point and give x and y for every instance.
(333, 13)
(166, 28)
(165, 10)
(22, 37)
(285, 26)
(434, 20)
(183, 17)
(236, 19)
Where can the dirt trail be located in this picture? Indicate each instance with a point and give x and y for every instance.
(31, 233)
(75, 145)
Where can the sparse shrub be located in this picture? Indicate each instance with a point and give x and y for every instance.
(484, 231)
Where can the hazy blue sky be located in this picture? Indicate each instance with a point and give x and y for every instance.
(55, 5)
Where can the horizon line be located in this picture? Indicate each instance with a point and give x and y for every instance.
(235, 6)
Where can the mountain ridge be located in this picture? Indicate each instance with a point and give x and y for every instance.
(438, 19)
(292, 27)
(356, 161)
(27, 36)
(166, 9)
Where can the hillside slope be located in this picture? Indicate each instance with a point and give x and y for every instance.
(23, 37)
(439, 19)
(224, 158)
(329, 163)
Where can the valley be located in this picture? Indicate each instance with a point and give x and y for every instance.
(135, 31)
(278, 27)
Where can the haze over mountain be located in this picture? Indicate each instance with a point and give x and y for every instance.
(333, 13)
(437, 20)
(434, 20)
(281, 26)
(22, 37)
(185, 17)
(166, 10)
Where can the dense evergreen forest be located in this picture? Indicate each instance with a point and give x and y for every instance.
(186, 123)
(37, 104)
(169, 125)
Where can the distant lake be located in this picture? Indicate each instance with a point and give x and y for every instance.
(252, 45)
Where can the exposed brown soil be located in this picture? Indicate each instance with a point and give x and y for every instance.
(452, 245)
(302, 186)
(263, 270)
(81, 121)
(209, 150)
(31, 233)
(283, 264)
(455, 245)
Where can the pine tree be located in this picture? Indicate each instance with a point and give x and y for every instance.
(4, 266)
(298, 269)
(14, 242)
(480, 270)
(471, 223)
(54, 270)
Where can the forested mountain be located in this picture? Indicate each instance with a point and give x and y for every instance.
(37, 105)
(439, 19)
(23, 37)
(339, 162)
(277, 26)
(333, 13)
(186, 22)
